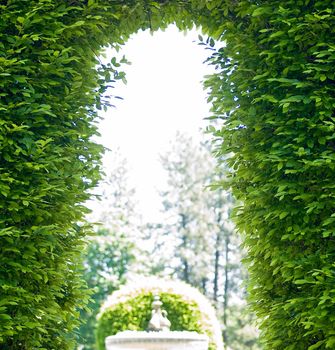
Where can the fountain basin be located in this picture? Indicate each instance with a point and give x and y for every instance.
(165, 340)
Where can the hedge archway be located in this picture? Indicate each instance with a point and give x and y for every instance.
(129, 308)
(273, 94)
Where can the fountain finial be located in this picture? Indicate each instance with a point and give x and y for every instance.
(159, 321)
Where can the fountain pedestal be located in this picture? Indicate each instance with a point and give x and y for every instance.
(164, 340)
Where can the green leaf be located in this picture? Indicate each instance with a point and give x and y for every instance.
(330, 342)
(316, 345)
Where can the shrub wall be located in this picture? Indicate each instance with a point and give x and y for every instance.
(274, 97)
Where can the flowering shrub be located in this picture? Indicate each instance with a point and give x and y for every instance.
(130, 309)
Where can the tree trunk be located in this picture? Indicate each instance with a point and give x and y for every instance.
(216, 268)
(204, 281)
(225, 293)
(186, 268)
(217, 254)
(186, 273)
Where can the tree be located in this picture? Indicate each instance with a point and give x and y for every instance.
(107, 260)
(188, 217)
(197, 241)
(110, 254)
(116, 208)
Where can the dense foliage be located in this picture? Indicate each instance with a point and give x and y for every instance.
(47, 162)
(130, 309)
(51, 87)
(273, 91)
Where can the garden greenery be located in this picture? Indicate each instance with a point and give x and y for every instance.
(273, 92)
(130, 309)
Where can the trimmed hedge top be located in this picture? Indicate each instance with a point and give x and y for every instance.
(130, 309)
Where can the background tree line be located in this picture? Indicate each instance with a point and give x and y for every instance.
(193, 241)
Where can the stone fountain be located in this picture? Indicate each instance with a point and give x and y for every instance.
(158, 336)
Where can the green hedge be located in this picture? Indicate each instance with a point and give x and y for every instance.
(48, 98)
(130, 309)
(274, 95)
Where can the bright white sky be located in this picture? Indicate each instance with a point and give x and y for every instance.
(163, 94)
